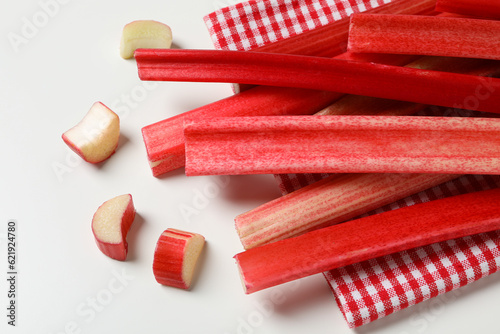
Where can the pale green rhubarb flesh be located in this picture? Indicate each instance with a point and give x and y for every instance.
(342, 144)
(419, 35)
(370, 237)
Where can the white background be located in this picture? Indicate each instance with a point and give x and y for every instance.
(48, 83)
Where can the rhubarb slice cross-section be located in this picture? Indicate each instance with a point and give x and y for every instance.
(144, 34)
(478, 8)
(95, 138)
(370, 237)
(110, 226)
(175, 258)
(342, 144)
(425, 35)
(338, 75)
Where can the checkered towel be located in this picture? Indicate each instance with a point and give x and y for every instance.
(372, 289)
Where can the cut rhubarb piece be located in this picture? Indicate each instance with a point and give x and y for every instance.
(95, 137)
(110, 225)
(144, 34)
(370, 237)
(342, 144)
(175, 258)
(478, 8)
(360, 78)
(330, 201)
(419, 35)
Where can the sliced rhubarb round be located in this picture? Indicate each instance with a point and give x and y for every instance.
(175, 258)
(95, 137)
(110, 225)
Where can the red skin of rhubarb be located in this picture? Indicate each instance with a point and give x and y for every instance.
(169, 258)
(479, 8)
(342, 144)
(371, 237)
(359, 78)
(331, 40)
(419, 35)
(119, 251)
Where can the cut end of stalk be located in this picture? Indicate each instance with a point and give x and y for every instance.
(176, 256)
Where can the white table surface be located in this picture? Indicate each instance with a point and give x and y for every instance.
(49, 79)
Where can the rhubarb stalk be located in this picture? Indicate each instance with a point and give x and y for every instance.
(370, 237)
(330, 201)
(342, 144)
(330, 40)
(340, 198)
(419, 35)
(369, 79)
(479, 8)
(164, 140)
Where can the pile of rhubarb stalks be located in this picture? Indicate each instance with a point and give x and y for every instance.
(321, 109)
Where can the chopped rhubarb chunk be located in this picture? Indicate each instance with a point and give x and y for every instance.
(175, 258)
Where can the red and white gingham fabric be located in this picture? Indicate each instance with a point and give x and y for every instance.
(251, 24)
(372, 289)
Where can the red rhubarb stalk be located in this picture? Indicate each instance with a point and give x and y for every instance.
(342, 144)
(419, 35)
(479, 8)
(369, 79)
(330, 201)
(330, 40)
(340, 198)
(366, 238)
(164, 140)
